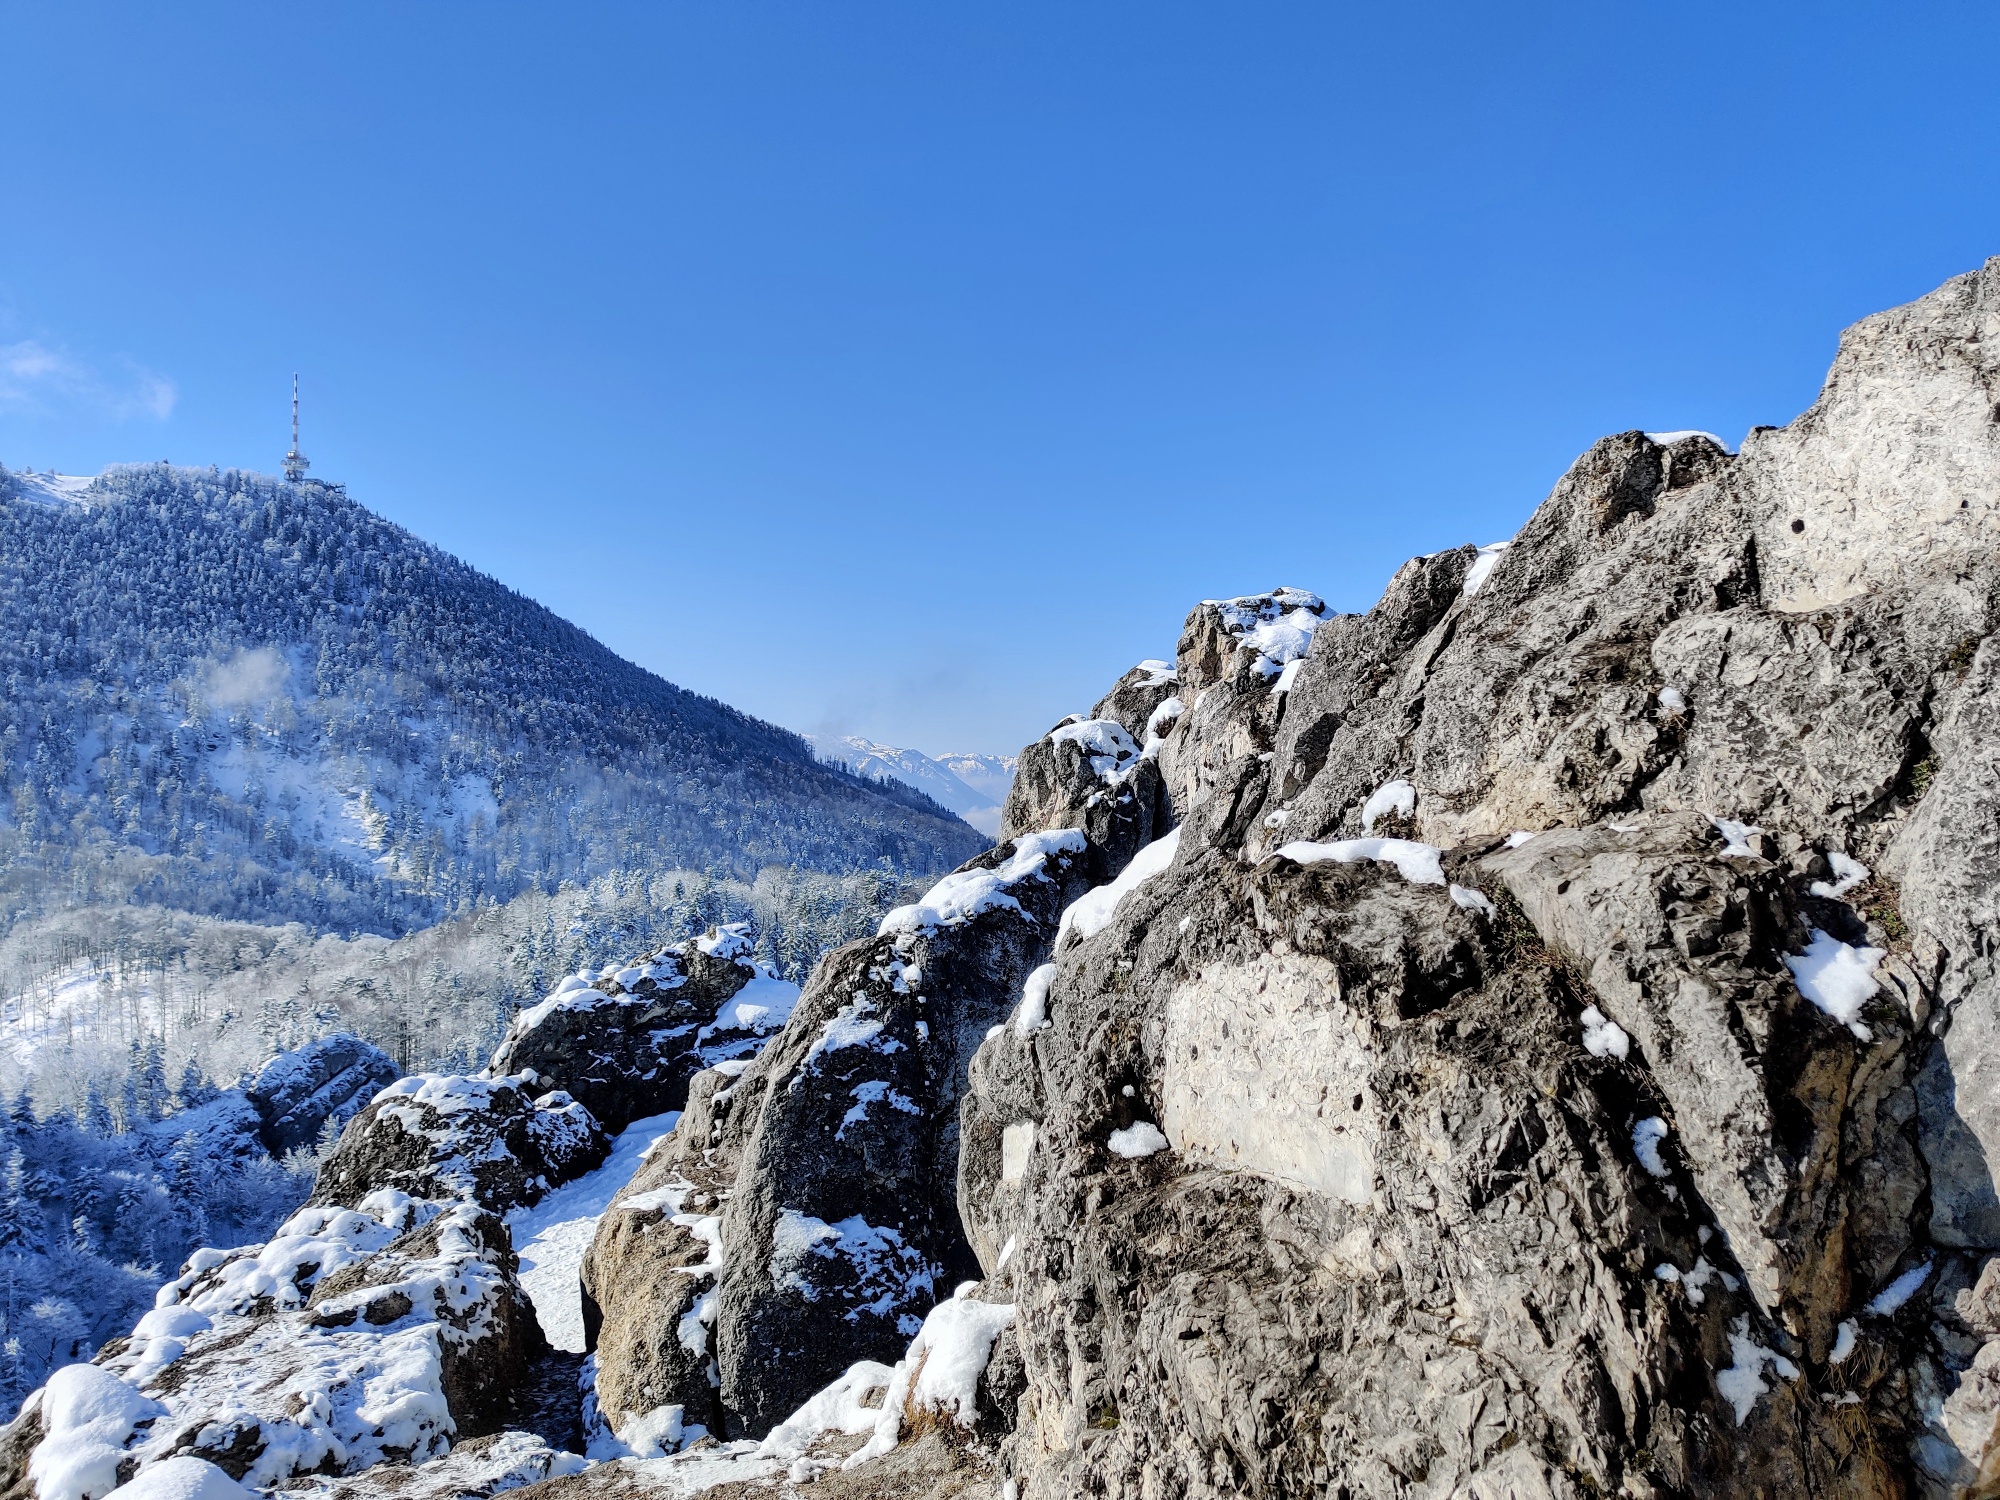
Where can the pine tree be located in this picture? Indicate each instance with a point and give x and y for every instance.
(97, 1114)
(153, 1096)
(194, 1091)
(21, 1117)
(186, 1188)
(19, 1232)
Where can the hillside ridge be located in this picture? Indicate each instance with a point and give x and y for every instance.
(211, 670)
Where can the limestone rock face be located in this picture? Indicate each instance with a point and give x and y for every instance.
(1094, 776)
(626, 1045)
(355, 1338)
(1559, 1056)
(804, 1214)
(499, 1143)
(327, 1081)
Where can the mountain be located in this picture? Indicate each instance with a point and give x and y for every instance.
(257, 700)
(991, 776)
(1537, 1038)
(973, 786)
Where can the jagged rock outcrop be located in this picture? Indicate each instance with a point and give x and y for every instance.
(804, 1215)
(1555, 1058)
(1535, 1038)
(326, 1082)
(625, 1044)
(355, 1337)
(497, 1142)
(1094, 776)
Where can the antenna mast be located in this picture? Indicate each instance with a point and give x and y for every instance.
(295, 461)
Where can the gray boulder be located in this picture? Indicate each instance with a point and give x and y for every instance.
(499, 1143)
(816, 1187)
(329, 1080)
(625, 1044)
(354, 1338)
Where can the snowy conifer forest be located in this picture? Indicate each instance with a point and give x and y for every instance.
(273, 771)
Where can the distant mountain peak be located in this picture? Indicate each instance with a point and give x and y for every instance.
(971, 784)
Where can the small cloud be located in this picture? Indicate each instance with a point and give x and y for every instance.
(35, 377)
(248, 677)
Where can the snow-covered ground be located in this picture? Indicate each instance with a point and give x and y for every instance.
(83, 1003)
(552, 1236)
(973, 786)
(50, 489)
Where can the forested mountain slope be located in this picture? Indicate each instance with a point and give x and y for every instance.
(231, 695)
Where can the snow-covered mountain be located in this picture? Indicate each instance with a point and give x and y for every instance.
(992, 776)
(972, 785)
(257, 700)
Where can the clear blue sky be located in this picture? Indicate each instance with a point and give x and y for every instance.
(909, 369)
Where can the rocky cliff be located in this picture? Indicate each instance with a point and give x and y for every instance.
(1534, 1038)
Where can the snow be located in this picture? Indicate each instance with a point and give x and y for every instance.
(1034, 1007)
(88, 1414)
(730, 940)
(656, 1433)
(320, 1389)
(552, 1236)
(836, 1408)
(1517, 838)
(1471, 900)
(874, 1091)
(1141, 1138)
(1158, 673)
(890, 1273)
(1694, 1281)
(1416, 863)
(1278, 626)
(972, 785)
(1483, 565)
(1646, 1138)
(957, 1341)
(853, 1025)
(51, 490)
(572, 994)
(1847, 874)
(964, 895)
(1668, 439)
(1397, 797)
(1672, 700)
(1743, 1382)
(1158, 721)
(992, 776)
(182, 1478)
(763, 1005)
(940, 1371)
(1844, 1339)
(1736, 837)
(1105, 743)
(1603, 1037)
(1839, 979)
(1091, 913)
(1289, 675)
(1891, 1298)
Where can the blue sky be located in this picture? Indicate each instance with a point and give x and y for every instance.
(909, 369)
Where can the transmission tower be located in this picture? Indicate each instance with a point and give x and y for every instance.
(295, 461)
